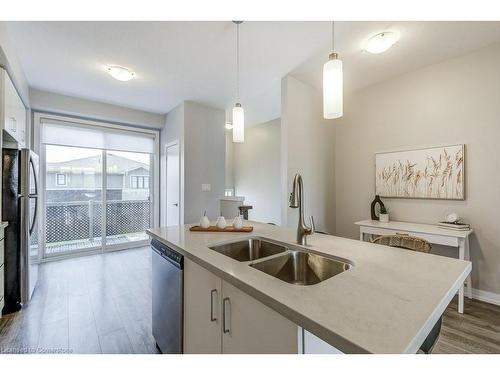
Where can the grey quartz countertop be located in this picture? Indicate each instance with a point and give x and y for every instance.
(386, 303)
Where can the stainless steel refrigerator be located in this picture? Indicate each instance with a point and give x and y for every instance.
(20, 186)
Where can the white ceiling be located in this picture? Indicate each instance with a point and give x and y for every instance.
(176, 61)
(420, 44)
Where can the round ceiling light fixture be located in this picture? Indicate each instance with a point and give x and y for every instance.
(381, 42)
(120, 73)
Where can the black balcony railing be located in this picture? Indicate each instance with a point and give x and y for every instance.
(69, 221)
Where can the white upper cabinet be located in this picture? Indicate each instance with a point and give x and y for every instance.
(13, 112)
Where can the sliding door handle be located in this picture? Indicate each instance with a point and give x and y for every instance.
(213, 317)
(226, 302)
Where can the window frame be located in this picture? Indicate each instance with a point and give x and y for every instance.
(139, 177)
(65, 179)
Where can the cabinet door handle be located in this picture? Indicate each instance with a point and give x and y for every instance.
(213, 292)
(224, 326)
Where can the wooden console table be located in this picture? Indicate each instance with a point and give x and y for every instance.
(432, 233)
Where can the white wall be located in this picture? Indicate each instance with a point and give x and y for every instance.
(256, 171)
(200, 130)
(68, 105)
(307, 147)
(204, 158)
(456, 101)
(229, 160)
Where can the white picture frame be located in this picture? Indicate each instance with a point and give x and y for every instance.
(427, 173)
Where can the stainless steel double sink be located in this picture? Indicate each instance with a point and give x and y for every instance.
(288, 264)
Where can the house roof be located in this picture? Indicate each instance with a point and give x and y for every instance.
(115, 165)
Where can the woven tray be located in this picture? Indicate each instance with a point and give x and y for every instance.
(213, 228)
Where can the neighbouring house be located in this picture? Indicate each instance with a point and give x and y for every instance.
(74, 201)
(81, 179)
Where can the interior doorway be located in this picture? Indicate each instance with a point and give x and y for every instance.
(173, 201)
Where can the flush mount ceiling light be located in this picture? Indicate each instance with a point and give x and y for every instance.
(120, 73)
(333, 85)
(238, 112)
(381, 42)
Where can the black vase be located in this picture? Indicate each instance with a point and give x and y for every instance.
(374, 203)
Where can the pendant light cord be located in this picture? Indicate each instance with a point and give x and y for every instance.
(238, 62)
(333, 36)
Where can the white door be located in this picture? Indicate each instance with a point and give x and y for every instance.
(173, 185)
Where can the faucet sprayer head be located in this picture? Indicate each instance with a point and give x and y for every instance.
(294, 195)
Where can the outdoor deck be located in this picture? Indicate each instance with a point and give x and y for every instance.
(83, 244)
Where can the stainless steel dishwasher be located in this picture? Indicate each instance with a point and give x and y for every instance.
(167, 295)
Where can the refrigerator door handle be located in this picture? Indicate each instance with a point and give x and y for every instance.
(35, 174)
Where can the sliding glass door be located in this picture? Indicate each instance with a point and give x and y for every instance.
(99, 197)
(73, 196)
(128, 197)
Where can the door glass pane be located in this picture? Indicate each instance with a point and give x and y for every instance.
(73, 199)
(128, 204)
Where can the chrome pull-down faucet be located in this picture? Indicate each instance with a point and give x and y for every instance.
(297, 201)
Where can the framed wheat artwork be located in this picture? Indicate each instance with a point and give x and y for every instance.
(428, 173)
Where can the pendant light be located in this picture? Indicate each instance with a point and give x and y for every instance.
(238, 112)
(333, 84)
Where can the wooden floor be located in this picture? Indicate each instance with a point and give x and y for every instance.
(93, 304)
(102, 304)
(477, 330)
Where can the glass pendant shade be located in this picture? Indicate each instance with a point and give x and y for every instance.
(333, 86)
(238, 124)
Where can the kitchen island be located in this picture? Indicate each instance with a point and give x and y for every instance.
(387, 302)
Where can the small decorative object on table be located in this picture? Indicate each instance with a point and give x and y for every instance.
(453, 221)
(204, 221)
(384, 215)
(238, 222)
(221, 222)
(373, 207)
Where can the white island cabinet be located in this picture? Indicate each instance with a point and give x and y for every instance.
(202, 325)
(265, 314)
(220, 318)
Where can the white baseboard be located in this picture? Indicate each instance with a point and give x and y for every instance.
(485, 296)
